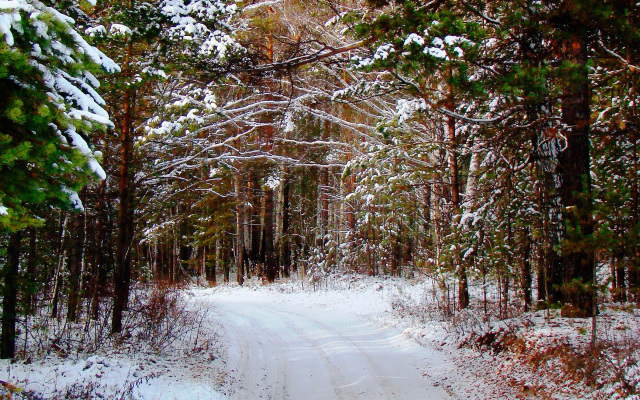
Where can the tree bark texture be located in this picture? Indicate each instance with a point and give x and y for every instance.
(240, 210)
(10, 296)
(31, 279)
(463, 285)
(285, 245)
(525, 273)
(323, 208)
(125, 219)
(256, 220)
(75, 265)
(270, 265)
(578, 255)
(104, 257)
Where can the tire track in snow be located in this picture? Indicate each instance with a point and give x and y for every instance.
(387, 389)
(292, 351)
(254, 362)
(339, 382)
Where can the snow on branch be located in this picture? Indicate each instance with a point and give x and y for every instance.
(292, 63)
(476, 121)
(632, 68)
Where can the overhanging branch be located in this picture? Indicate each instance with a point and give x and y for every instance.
(302, 60)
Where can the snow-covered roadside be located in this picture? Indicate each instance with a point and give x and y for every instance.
(168, 351)
(546, 356)
(536, 354)
(112, 377)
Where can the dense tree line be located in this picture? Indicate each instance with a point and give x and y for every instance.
(479, 143)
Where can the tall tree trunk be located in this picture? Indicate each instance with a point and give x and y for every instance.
(125, 217)
(60, 256)
(224, 258)
(463, 286)
(75, 265)
(240, 210)
(323, 208)
(285, 245)
(620, 277)
(634, 263)
(104, 260)
(256, 220)
(578, 255)
(10, 296)
(31, 278)
(211, 266)
(270, 267)
(525, 272)
(550, 206)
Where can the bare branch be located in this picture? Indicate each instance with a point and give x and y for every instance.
(302, 60)
(632, 68)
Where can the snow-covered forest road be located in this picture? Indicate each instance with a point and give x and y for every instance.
(322, 345)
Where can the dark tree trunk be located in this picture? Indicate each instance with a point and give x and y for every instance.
(125, 219)
(525, 273)
(225, 258)
(323, 208)
(614, 281)
(31, 279)
(285, 246)
(620, 277)
(550, 267)
(10, 296)
(256, 223)
(60, 254)
(634, 263)
(578, 256)
(211, 266)
(351, 211)
(239, 249)
(396, 251)
(75, 265)
(270, 267)
(104, 258)
(541, 281)
(463, 286)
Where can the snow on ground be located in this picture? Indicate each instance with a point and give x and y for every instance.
(339, 340)
(108, 377)
(168, 351)
(534, 355)
(348, 337)
(547, 356)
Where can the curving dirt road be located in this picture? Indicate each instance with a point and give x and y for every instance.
(293, 350)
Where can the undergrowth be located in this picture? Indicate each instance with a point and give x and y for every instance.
(159, 322)
(540, 354)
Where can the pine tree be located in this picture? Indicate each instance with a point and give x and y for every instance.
(49, 108)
